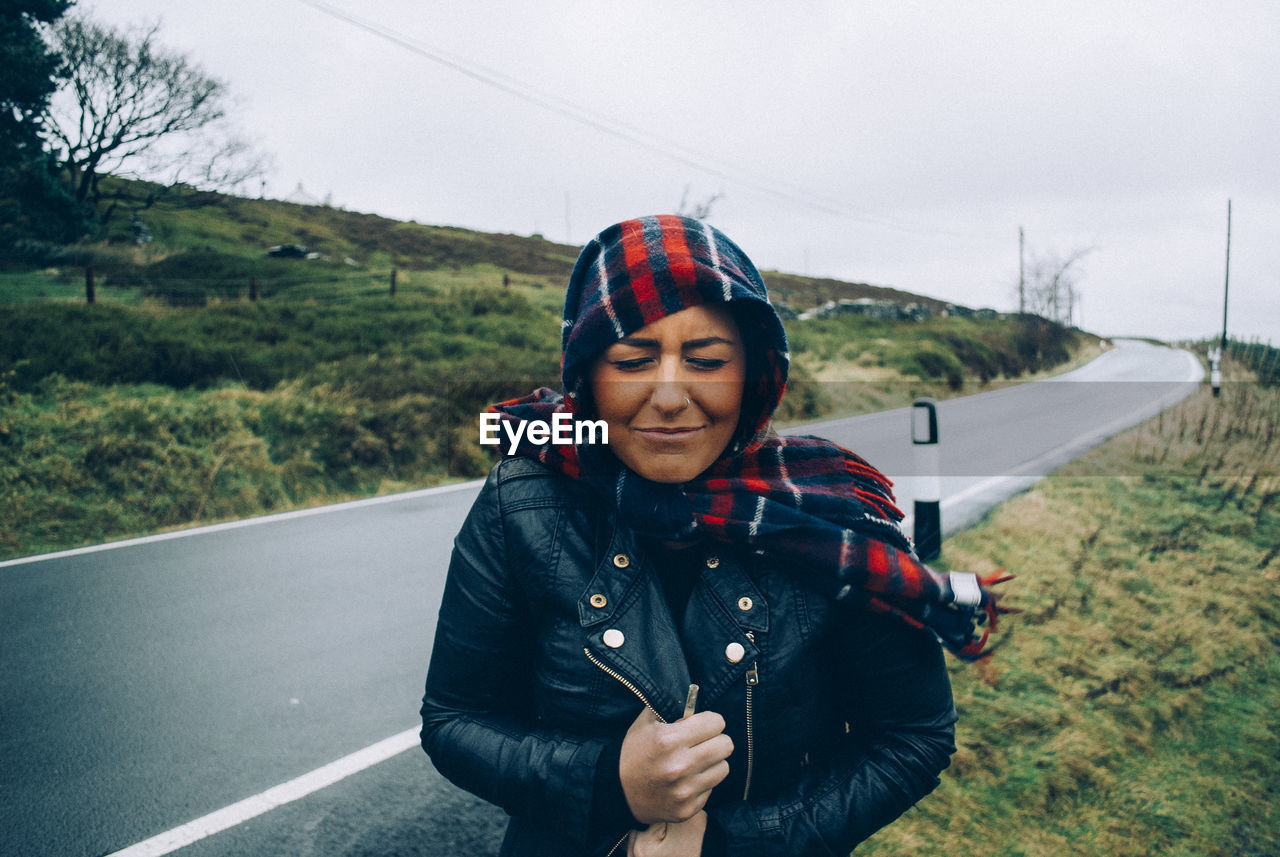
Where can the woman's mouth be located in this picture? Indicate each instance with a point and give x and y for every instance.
(668, 434)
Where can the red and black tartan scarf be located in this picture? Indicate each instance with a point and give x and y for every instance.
(826, 514)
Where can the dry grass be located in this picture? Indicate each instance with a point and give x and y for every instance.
(1131, 710)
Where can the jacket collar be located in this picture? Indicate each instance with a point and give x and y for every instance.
(631, 632)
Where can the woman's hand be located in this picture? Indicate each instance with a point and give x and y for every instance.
(669, 769)
(683, 839)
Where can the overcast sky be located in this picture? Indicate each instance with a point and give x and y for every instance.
(901, 144)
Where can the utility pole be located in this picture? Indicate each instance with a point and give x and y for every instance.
(1022, 294)
(1226, 287)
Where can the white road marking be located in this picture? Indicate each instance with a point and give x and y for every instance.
(242, 811)
(247, 522)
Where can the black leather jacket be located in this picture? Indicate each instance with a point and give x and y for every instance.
(554, 630)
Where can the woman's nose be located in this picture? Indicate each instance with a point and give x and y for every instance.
(669, 397)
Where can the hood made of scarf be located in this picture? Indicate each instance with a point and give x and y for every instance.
(639, 271)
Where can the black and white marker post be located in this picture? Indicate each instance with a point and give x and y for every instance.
(1215, 370)
(928, 515)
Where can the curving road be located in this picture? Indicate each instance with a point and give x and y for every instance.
(188, 691)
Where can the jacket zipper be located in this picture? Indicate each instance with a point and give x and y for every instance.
(618, 844)
(628, 685)
(753, 679)
(631, 687)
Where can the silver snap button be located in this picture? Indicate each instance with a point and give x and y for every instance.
(613, 638)
(622, 560)
(713, 561)
(745, 604)
(598, 600)
(734, 652)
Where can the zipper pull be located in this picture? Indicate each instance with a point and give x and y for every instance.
(753, 674)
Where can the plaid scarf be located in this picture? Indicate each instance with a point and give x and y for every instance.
(827, 514)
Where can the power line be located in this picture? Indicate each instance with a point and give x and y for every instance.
(608, 125)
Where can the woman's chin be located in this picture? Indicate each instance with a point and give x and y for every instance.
(670, 470)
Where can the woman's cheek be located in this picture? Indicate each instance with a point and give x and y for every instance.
(721, 399)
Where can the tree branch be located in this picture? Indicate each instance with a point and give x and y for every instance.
(131, 105)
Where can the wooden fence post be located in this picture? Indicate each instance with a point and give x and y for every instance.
(393, 282)
(89, 292)
(253, 288)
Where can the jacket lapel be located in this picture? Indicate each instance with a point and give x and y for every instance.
(630, 632)
(725, 607)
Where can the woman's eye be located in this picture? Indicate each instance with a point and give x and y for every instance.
(707, 364)
(632, 365)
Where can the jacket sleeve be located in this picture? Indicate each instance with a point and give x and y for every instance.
(897, 697)
(477, 724)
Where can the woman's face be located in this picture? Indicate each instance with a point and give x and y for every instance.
(671, 392)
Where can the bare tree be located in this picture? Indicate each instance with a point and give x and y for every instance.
(1051, 285)
(697, 210)
(130, 107)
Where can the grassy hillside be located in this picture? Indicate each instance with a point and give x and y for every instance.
(208, 246)
(181, 219)
(174, 399)
(1131, 710)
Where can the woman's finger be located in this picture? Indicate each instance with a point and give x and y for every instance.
(710, 752)
(699, 727)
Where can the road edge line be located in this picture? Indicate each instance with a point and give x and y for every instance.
(244, 522)
(251, 807)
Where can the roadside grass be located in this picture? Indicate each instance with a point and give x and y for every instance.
(83, 465)
(1131, 708)
(118, 421)
(433, 334)
(855, 364)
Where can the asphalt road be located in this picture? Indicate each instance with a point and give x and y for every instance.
(150, 683)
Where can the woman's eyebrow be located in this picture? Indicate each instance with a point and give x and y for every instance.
(708, 340)
(702, 342)
(635, 342)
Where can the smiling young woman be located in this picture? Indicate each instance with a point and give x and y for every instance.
(671, 392)
(593, 584)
